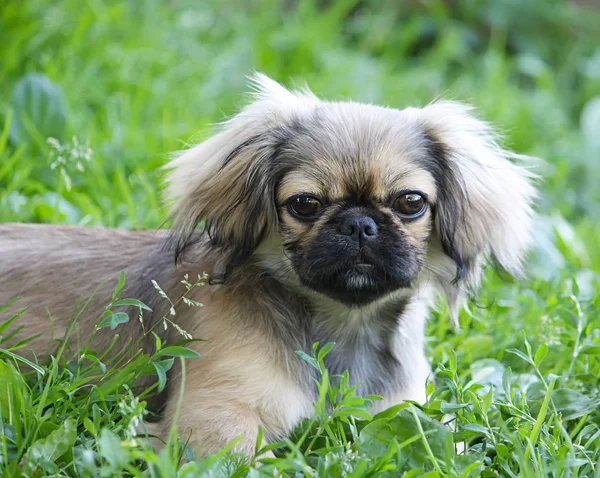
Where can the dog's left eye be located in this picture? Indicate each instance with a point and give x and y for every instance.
(410, 205)
(304, 206)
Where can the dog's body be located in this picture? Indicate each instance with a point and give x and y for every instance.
(327, 222)
(249, 373)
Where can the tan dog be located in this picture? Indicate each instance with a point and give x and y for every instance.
(323, 221)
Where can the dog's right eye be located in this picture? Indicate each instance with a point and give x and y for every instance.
(304, 206)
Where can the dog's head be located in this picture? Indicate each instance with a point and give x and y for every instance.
(355, 201)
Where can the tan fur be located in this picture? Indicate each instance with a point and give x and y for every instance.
(52, 267)
(237, 184)
(238, 383)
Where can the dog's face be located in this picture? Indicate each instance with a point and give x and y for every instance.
(355, 212)
(355, 201)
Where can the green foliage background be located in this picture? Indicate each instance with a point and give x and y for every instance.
(138, 80)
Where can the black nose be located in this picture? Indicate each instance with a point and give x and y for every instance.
(359, 227)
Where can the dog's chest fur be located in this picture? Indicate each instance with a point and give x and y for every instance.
(366, 341)
(365, 346)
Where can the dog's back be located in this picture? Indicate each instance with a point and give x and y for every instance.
(52, 267)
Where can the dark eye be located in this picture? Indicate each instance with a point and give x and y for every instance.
(304, 206)
(410, 205)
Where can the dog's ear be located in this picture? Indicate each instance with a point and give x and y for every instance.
(228, 182)
(484, 204)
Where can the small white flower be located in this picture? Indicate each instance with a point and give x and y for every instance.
(68, 157)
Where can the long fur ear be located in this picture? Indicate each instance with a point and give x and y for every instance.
(484, 205)
(228, 181)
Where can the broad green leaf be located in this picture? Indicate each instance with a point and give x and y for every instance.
(8, 442)
(90, 427)
(572, 404)
(114, 320)
(470, 430)
(376, 437)
(157, 341)
(40, 110)
(162, 368)
(446, 407)
(466, 464)
(392, 411)
(133, 302)
(55, 445)
(120, 285)
(112, 450)
(502, 450)
(307, 358)
(325, 350)
(353, 412)
(176, 351)
(487, 400)
(46, 428)
(520, 354)
(591, 349)
(540, 354)
(487, 372)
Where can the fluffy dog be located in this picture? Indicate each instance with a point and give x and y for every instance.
(319, 221)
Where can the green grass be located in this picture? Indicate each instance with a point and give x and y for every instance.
(137, 80)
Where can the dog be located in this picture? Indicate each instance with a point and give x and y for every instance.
(316, 221)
